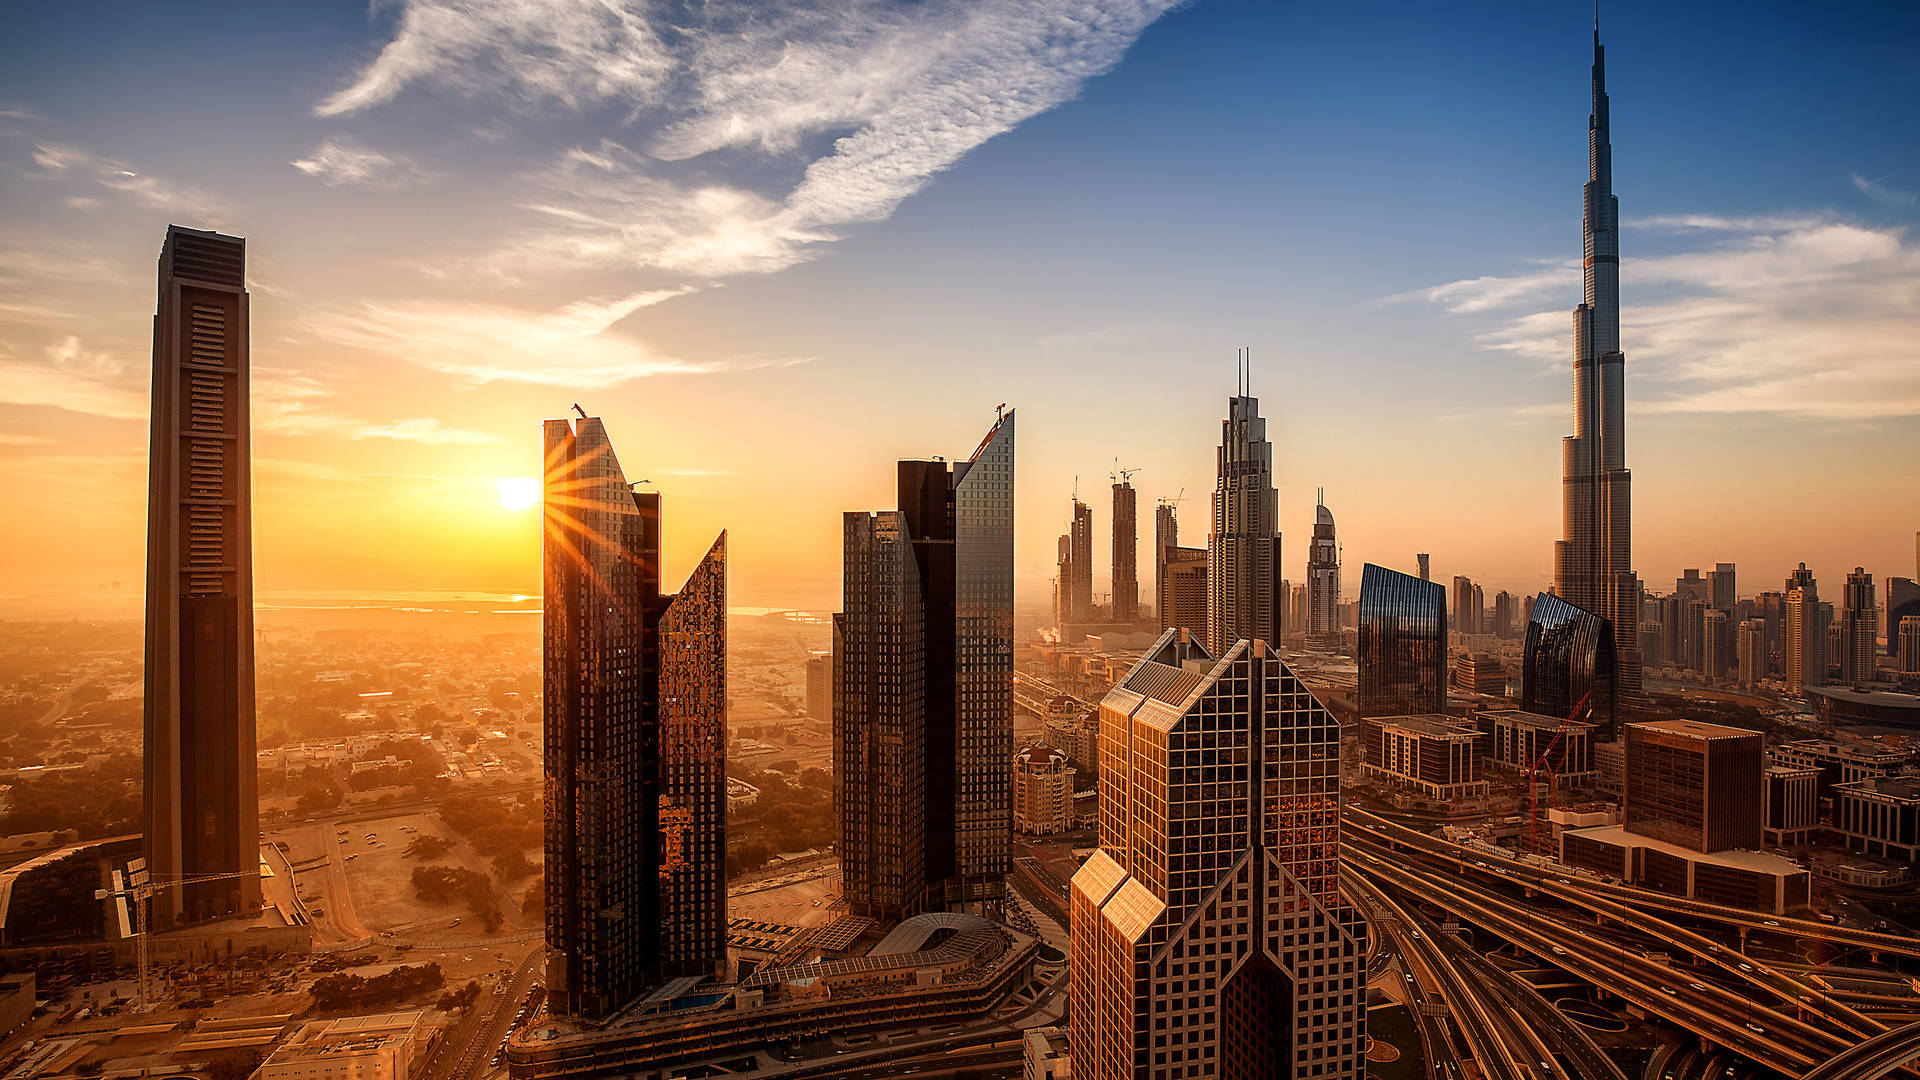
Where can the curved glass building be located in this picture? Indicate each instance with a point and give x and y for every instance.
(1569, 654)
(1402, 645)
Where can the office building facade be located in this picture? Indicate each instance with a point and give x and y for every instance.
(634, 712)
(923, 691)
(1043, 783)
(201, 810)
(1183, 590)
(1696, 785)
(1402, 644)
(1209, 934)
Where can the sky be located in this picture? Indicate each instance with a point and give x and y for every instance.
(778, 246)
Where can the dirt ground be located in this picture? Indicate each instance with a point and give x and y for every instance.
(799, 904)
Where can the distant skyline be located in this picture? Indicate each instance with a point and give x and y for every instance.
(779, 250)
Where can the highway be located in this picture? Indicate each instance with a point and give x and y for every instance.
(1812, 1000)
(1728, 1018)
(1874, 1058)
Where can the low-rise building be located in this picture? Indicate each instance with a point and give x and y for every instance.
(1880, 817)
(1751, 880)
(1478, 673)
(1521, 738)
(1049, 1055)
(1043, 792)
(1438, 756)
(385, 1046)
(1793, 805)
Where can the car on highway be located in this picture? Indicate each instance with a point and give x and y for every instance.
(1669, 991)
(1748, 968)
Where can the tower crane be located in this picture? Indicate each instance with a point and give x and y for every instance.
(1122, 476)
(1541, 762)
(139, 892)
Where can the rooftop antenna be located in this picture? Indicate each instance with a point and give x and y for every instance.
(1320, 494)
(999, 413)
(581, 411)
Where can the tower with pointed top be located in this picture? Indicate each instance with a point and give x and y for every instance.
(1323, 578)
(1244, 589)
(1593, 564)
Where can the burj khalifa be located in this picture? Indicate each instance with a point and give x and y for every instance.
(1593, 565)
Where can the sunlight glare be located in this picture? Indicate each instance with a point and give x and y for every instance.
(518, 492)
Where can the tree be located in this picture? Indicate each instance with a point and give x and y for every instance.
(512, 866)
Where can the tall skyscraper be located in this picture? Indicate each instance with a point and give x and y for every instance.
(201, 813)
(1402, 644)
(1422, 560)
(1506, 609)
(1245, 599)
(1323, 578)
(1478, 614)
(1720, 586)
(1716, 644)
(923, 699)
(1860, 626)
(635, 722)
(1080, 586)
(1166, 535)
(1909, 653)
(1569, 656)
(1805, 632)
(1126, 540)
(1210, 936)
(1593, 565)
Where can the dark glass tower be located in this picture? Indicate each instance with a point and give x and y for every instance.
(202, 813)
(1403, 644)
(1243, 551)
(1593, 565)
(923, 690)
(1569, 655)
(635, 714)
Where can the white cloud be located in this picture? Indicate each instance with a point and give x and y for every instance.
(340, 160)
(288, 403)
(904, 90)
(574, 346)
(1797, 315)
(58, 159)
(1879, 191)
(69, 375)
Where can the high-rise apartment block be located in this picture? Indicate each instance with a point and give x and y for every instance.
(1210, 936)
(1042, 792)
(201, 815)
(1752, 651)
(820, 686)
(1245, 597)
(1323, 579)
(1593, 565)
(1910, 644)
(1126, 541)
(634, 708)
(923, 693)
(1402, 644)
(1166, 536)
(1721, 590)
(1693, 784)
(1080, 585)
(1805, 632)
(1182, 601)
(1901, 599)
(1716, 645)
(1466, 621)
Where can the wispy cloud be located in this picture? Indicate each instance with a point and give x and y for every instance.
(1798, 315)
(341, 160)
(1881, 192)
(58, 159)
(291, 403)
(67, 374)
(904, 92)
(573, 346)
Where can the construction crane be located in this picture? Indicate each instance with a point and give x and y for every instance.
(139, 892)
(1541, 762)
(1123, 476)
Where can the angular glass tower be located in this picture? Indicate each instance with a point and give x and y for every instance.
(923, 688)
(201, 812)
(635, 723)
(1209, 934)
(1569, 656)
(1243, 551)
(1593, 566)
(1402, 645)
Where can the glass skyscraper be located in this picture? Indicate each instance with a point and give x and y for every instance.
(923, 688)
(635, 724)
(1245, 598)
(1323, 579)
(1569, 656)
(1402, 644)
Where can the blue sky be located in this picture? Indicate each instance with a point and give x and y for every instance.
(777, 250)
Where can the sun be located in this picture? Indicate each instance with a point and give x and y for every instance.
(518, 492)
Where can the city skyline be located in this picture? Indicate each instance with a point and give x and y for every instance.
(368, 394)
